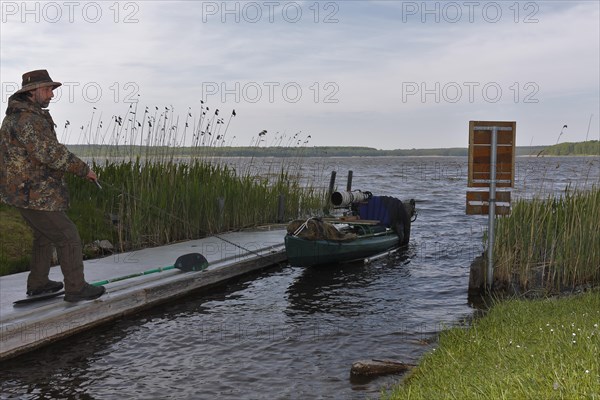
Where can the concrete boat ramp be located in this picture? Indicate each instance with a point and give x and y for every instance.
(29, 326)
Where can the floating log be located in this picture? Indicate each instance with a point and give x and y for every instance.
(369, 368)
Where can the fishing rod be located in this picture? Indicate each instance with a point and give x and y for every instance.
(121, 191)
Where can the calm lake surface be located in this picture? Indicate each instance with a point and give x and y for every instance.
(293, 333)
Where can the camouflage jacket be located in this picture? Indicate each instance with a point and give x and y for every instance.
(32, 161)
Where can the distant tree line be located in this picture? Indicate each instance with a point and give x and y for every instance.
(583, 148)
(589, 148)
(254, 151)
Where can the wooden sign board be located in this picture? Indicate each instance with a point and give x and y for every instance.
(484, 209)
(480, 145)
(478, 203)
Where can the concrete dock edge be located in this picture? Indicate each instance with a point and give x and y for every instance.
(23, 329)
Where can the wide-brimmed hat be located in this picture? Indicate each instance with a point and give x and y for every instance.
(36, 79)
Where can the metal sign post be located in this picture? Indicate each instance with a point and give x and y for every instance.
(492, 207)
(483, 172)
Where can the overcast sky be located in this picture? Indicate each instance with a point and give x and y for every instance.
(383, 74)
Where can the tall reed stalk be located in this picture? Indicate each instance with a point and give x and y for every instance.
(550, 243)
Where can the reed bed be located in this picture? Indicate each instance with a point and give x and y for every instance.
(550, 244)
(154, 193)
(154, 203)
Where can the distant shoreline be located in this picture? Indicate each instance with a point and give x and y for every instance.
(590, 148)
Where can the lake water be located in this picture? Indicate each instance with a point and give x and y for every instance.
(293, 333)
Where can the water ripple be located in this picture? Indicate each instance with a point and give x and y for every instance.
(293, 333)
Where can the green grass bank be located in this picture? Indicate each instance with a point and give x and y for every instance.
(522, 349)
(15, 242)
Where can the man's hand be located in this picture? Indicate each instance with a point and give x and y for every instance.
(91, 176)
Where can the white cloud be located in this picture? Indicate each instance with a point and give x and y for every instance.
(353, 73)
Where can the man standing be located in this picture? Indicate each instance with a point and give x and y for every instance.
(32, 168)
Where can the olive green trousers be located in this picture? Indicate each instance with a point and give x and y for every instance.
(54, 228)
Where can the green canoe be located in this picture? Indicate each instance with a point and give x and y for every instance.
(377, 224)
(304, 252)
